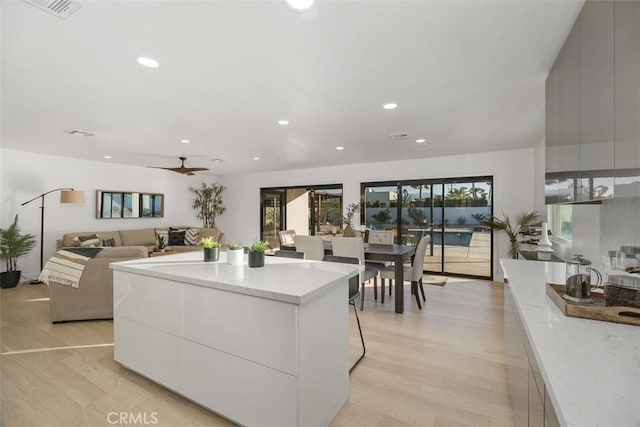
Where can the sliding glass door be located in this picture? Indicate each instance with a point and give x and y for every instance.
(308, 210)
(446, 210)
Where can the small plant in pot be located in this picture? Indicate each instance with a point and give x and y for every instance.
(235, 253)
(13, 244)
(352, 210)
(211, 249)
(256, 253)
(161, 243)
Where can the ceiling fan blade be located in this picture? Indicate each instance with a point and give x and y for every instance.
(181, 169)
(196, 169)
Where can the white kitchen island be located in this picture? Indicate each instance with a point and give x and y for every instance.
(586, 371)
(260, 346)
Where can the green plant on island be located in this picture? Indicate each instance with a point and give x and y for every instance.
(14, 244)
(234, 246)
(209, 243)
(260, 246)
(524, 220)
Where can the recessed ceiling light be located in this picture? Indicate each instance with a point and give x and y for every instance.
(184, 141)
(390, 106)
(283, 122)
(148, 62)
(256, 158)
(300, 5)
(107, 157)
(421, 141)
(339, 148)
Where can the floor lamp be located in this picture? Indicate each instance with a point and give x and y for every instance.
(67, 195)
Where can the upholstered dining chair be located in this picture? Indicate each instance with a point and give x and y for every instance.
(312, 247)
(354, 247)
(287, 237)
(381, 237)
(289, 254)
(412, 273)
(354, 293)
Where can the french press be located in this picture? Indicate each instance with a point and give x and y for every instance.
(578, 280)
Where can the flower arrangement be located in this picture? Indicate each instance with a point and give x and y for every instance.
(209, 243)
(260, 246)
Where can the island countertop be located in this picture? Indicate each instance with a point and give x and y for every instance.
(591, 368)
(281, 279)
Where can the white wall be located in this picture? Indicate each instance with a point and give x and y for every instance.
(26, 175)
(513, 173)
(539, 180)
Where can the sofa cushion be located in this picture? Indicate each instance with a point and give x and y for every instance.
(88, 241)
(192, 236)
(176, 238)
(139, 237)
(210, 232)
(109, 243)
(69, 241)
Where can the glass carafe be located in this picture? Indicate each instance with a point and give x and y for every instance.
(578, 279)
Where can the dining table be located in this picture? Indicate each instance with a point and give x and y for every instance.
(379, 252)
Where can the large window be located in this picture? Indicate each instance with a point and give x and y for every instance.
(449, 211)
(561, 223)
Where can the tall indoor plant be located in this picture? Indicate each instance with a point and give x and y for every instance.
(208, 202)
(352, 210)
(13, 244)
(524, 220)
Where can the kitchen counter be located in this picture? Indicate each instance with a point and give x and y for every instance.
(591, 369)
(260, 346)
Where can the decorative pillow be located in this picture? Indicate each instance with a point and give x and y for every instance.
(176, 238)
(110, 243)
(191, 236)
(163, 233)
(89, 241)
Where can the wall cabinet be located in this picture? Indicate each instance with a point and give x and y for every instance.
(593, 107)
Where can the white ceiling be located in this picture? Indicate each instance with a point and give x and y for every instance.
(468, 76)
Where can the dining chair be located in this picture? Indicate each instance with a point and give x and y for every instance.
(287, 237)
(354, 293)
(289, 254)
(312, 247)
(412, 273)
(354, 247)
(381, 237)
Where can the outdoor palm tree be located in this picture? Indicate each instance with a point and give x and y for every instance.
(524, 220)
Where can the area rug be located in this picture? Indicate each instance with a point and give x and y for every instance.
(434, 280)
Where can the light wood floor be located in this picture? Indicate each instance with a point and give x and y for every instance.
(442, 366)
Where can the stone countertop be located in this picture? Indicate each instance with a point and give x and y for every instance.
(591, 368)
(281, 279)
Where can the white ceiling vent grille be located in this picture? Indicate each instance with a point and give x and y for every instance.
(78, 132)
(60, 8)
(399, 135)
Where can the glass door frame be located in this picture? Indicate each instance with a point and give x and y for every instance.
(432, 182)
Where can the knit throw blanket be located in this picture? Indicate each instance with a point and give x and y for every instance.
(66, 266)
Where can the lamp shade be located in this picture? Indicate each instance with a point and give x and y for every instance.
(72, 196)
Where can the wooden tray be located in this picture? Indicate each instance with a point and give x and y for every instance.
(596, 310)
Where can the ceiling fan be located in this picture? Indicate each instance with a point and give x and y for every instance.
(182, 170)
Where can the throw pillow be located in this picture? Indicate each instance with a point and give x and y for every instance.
(176, 238)
(191, 236)
(89, 241)
(110, 243)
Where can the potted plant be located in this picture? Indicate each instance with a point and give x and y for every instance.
(256, 253)
(13, 244)
(161, 243)
(208, 203)
(352, 210)
(235, 253)
(525, 219)
(211, 249)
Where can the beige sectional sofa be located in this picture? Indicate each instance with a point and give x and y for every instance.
(93, 298)
(141, 237)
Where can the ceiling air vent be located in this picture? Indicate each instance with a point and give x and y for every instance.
(78, 132)
(60, 8)
(399, 135)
